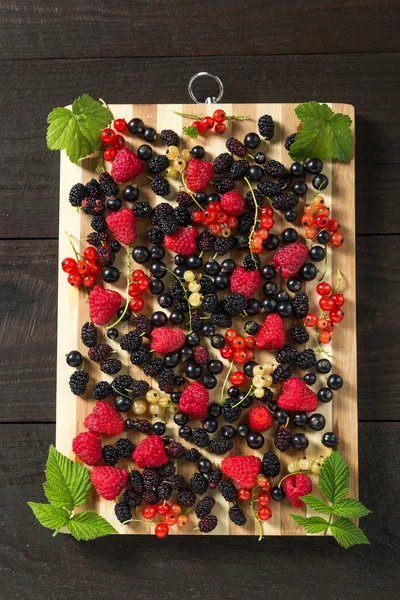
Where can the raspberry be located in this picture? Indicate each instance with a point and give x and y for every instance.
(286, 354)
(150, 453)
(274, 168)
(108, 185)
(233, 304)
(224, 245)
(284, 202)
(102, 390)
(87, 447)
(238, 169)
(123, 511)
(109, 481)
(123, 225)
(271, 466)
(260, 418)
(199, 483)
(208, 524)
(223, 185)
(295, 395)
(244, 282)
(169, 137)
(176, 450)
(233, 203)
(165, 339)
(281, 373)
(299, 334)
(183, 241)
(228, 490)
(222, 162)
(186, 498)
(300, 305)
(306, 359)
(198, 174)
(99, 352)
(266, 127)
(237, 515)
(282, 439)
(269, 188)
(272, 333)
(76, 194)
(78, 381)
(131, 341)
(160, 186)
(236, 147)
(104, 419)
(89, 334)
(194, 401)
(110, 455)
(296, 486)
(200, 437)
(290, 258)
(243, 470)
(126, 166)
(204, 507)
(201, 355)
(220, 446)
(157, 164)
(111, 366)
(184, 199)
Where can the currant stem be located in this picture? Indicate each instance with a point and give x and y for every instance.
(72, 246)
(325, 267)
(254, 222)
(339, 280)
(127, 287)
(253, 512)
(226, 379)
(190, 193)
(250, 391)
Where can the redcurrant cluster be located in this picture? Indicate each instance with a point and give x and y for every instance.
(215, 122)
(238, 348)
(318, 223)
(140, 282)
(331, 303)
(261, 231)
(82, 273)
(263, 498)
(171, 516)
(217, 221)
(114, 142)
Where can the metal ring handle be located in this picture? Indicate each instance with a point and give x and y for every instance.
(210, 99)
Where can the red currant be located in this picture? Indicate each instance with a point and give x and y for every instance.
(214, 206)
(323, 289)
(231, 222)
(264, 499)
(209, 216)
(94, 266)
(133, 289)
(336, 315)
(75, 279)
(310, 320)
(170, 519)
(120, 125)
(148, 511)
(329, 326)
(110, 153)
(119, 142)
(230, 335)
(107, 136)
(83, 267)
(326, 303)
(307, 220)
(240, 356)
(226, 351)
(220, 128)
(322, 324)
(325, 337)
(144, 284)
(267, 210)
(136, 304)
(244, 494)
(311, 232)
(161, 530)
(138, 274)
(321, 221)
(249, 341)
(176, 509)
(215, 228)
(68, 265)
(336, 239)
(207, 122)
(267, 222)
(197, 216)
(237, 379)
(162, 508)
(238, 342)
(90, 253)
(219, 115)
(221, 217)
(199, 126)
(264, 513)
(89, 281)
(267, 487)
(333, 225)
(338, 298)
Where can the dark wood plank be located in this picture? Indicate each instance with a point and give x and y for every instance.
(29, 172)
(28, 270)
(62, 568)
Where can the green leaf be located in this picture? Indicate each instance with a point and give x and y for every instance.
(317, 504)
(333, 480)
(191, 131)
(347, 534)
(49, 516)
(350, 508)
(68, 484)
(88, 525)
(324, 134)
(311, 524)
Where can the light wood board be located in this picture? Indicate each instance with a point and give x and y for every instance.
(341, 413)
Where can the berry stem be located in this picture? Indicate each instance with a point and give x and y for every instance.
(339, 280)
(199, 117)
(127, 287)
(72, 246)
(320, 348)
(325, 267)
(253, 512)
(225, 381)
(254, 222)
(286, 476)
(250, 390)
(190, 193)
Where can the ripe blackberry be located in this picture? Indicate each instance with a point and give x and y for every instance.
(306, 359)
(245, 222)
(223, 184)
(290, 140)
(177, 481)
(281, 373)
(208, 524)
(138, 388)
(164, 491)
(124, 447)
(123, 512)
(192, 455)
(210, 303)
(252, 263)
(166, 380)
(204, 507)
(222, 162)
(97, 239)
(285, 202)
(155, 235)
(110, 366)
(300, 305)
(78, 381)
(131, 341)
(224, 245)
(269, 188)
(161, 210)
(238, 169)
(271, 466)
(142, 210)
(115, 246)
(168, 224)
(107, 185)
(196, 325)
(250, 200)
(199, 483)
(143, 325)
(227, 490)
(157, 164)
(274, 168)
(140, 356)
(150, 479)
(266, 127)
(99, 352)
(98, 223)
(182, 216)
(166, 470)
(286, 354)
(233, 304)
(220, 319)
(236, 147)
(92, 189)
(176, 291)
(207, 285)
(299, 334)
(89, 335)
(186, 498)
(90, 206)
(182, 306)
(169, 137)
(132, 498)
(120, 384)
(214, 477)
(76, 194)
(110, 455)
(220, 446)
(282, 439)
(184, 199)
(106, 256)
(237, 515)
(136, 481)
(200, 437)
(160, 186)
(102, 390)
(143, 425)
(230, 412)
(151, 497)
(175, 450)
(153, 368)
(206, 240)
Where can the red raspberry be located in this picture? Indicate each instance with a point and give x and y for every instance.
(201, 355)
(272, 333)
(104, 419)
(244, 282)
(103, 304)
(123, 225)
(198, 174)
(194, 401)
(109, 481)
(150, 453)
(295, 395)
(164, 339)
(260, 418)
(243, 470)
(183, 241)
(290, 258)
(296, 486)
(126, 166)
(233, 203)
(87, 447)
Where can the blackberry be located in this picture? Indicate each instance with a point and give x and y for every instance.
(89, 335)
(204, 507)
(210, 303)
(99, 352)
(227, 490)
(96, 239)
(178, 482)
(142, 209)
(98, 223)
(290, 140)
(155, 235)
(160, 186)
(76, 194)
(207, 285)
(224, 245)
(196, 325)
(90, 206)
(175, 450)
(102, 390)
(138, 388)
(274, 168)
(107, 185)
(176, 291)
(164, 491)
(123, 512)
(206, 240)
(184, 199)
(120, 384)
(200, 437)
(266, 127)
(214, 477)
(286, 354)
(238, 169)
(284, 202)
(133, 498)
(306, 359)
(92, 189)
(131, 341)
(111, 366)
(143, 425)
(192, 455)
(252, 263)
(269, 188)
(245, 222)
(166, 380)
(169, 137)
(143, 325)
(233, 304)
(182, 216)
(271, 466)
(237, 515)
(222, 162)
(281, 373)
(78, 381)
(186, 498)
(168, 224)
(157, 164)
(220, 319)
(230, 412)
(283, 437)
(115, 246)
(124, 448)
(161, 210)
(208, 524)
(250, 200)
(220, 446)
(182, 306)
(299, 334)
(110, 455)
(166, 470)
(136, 481)
(150, 479)
(106, 256)
(236, 147)
(300, 305)
(151, 497)
(199, 483)
(223, 184)
(140, 356)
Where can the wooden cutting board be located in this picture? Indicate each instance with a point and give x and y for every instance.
(341, 413)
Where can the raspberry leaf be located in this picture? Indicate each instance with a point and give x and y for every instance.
(49, 516)
(333, 480)
(348, 507)
(68, 484)
(347, 534)
(317, 504)
(88, 525)
(311, 524)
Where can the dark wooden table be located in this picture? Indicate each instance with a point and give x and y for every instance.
(124, 51)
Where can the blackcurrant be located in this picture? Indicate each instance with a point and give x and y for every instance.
(158, 269)
(272, 242)
(268, 305)
(141, 254)
(284, 309)
(310, 378)
(252, 140)
(290, 216)
(299, 188)
(157, 252)
(268, 272)
(308, 272)
(193, 339)
(208, 330)
(314, 166)
(228, 266)
(156, 287)
(144, 152)
(194, 262)
(110, 274)
(233, 391)
(281, 416)
(325, 394)
(329, 440)
(300, 419)
(74, 358)
(317, 253)
(243, 429)
(171, 360)
(294, 284)
(251, 327)
(159, 319)
(201, 197)
(297, 169)
(175, 396)
(228, 432)
(215, 367)
(255, 172)
(248, 368)
(299, 441)
(217, 340)
(127, 314)
(323, 365)
(270, 288)
(158, 428)
(260, 158)
(180, 260)
(185, 431)
(177, 317)
(289, 235)
(123, 404)
(114, 204)
(193, 370)
(317, 421)
(221, 281)
(255, 440)
(149, 134)
(204, 465)
(253, 307)
(214, 410)
(210, 424)
(197, 152)
(323, 237)
(277, 493)
(136, 125)
(334, 382)
(209, 381)
(245, 400)
(131, 193)
(320, 182)
(212, 267)
(112, 333)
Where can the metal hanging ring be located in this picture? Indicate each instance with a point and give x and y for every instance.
(210, 99)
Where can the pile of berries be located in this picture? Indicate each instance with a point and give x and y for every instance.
(82, 273)
(140, 282)
(216, 122)
(331, 303)
(318, 224)
(238, 348)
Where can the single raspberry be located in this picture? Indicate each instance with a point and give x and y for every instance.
(103, 304)
(260, 418)
(99, 352)
(233, 203)
(237, 516)
(184, 199)
(150, 453)
(104, 419)
(296, 486)
(271, 466)
(198, 174)
(208, 524)
(194, 401)
(236, 147)
(245, 282)
(123, 225)
(272, 333)
(243, 470)
(87, 447)
(126, 166)
(295, 395)
(109, 481)
(183, 241)
(169, 137)
(222, 162)
(274, 168)
(165, 339)
(201, 355)
(290, 258)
